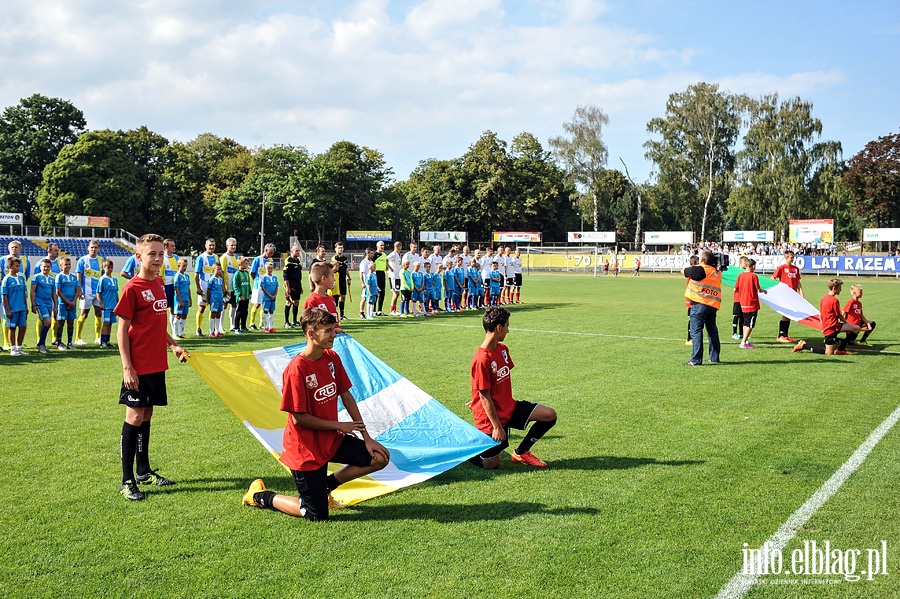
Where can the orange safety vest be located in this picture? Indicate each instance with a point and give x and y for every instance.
(708, 291)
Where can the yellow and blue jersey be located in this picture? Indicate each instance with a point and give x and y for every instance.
(230, 265)
(108, 289)
(258, 268)
(90, 269)
(170, 268)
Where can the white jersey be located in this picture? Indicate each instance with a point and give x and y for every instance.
(510, 267)
(517, 265)
(364, 270)
(394, 260)
(413, 258)
(486, 262)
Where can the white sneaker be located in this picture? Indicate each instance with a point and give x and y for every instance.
(96, 341)
(394, 313)
(80, 342)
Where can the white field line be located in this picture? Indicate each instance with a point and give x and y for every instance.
(741, 582)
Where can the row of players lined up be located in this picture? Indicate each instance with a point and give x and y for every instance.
(420, 282)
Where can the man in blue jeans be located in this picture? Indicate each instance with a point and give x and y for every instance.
(704, 292)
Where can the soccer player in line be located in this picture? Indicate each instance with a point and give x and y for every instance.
(788, 274)
(393, 264)
(108, 292)
(473, 280)
(517, 274)
(372, 290)
(833, 323)
(169, 269)
(322, 276)
(737, 315)
(747, 289)
(418, 293)
(231, 264)
(215, 298)
(257, 272)
(242, 288)
(853, 313)
(203, 272)
(342, 276)
(182, 298)
(67, 293)
(15, 305)
(363, 275)
(460, 275)
(293, 287)
(130, 268)
(406, 288)
(89, 269)
(43, 301)
(268, 287)
(312, 383)
(53, 257)
(493, 407)
(495, 284)
(143, 339)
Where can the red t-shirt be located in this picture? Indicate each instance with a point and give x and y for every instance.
(830, 313)
(312, 387)
(490, 371)
(789, 275)
(321, 301)
(853, 308)
(747, 290)
(144, 303)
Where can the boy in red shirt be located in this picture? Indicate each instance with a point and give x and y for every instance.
(747, 290)
(321, 275)
(788, 274)
(493, 407)
(143, 338)
(312, 383)
(736, 312)
(853, 313)
(833, 322)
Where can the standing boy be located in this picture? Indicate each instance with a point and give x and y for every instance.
(67, 293)
(747, 290)
(788, 274)
(143, 338)
(15, 305)
(43, 301)
(493, 407)
(321, 275)
(108, 291)
(89, 269)
(312, 383)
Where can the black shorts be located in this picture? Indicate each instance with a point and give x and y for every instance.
(295, 290)
(750, 319)
(518, 420)
(312, 484)
(510, 281)
(395, 284)
(170, 296)
(342, 285)
(406, 294)
(518, 279)
(832, 338)
(736, 309)
(151, 392)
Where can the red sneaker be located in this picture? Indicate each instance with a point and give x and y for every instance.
(800, 345)
(842, 352)
(528, 458)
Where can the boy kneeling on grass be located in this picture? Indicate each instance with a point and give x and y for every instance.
(311, 385)
(833, 323)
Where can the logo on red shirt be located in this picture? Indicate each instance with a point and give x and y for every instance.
(325, 392)
(161, 305)
(148, 296)
(311, 381)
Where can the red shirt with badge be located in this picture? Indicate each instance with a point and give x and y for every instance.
(853, 309)
(830, 314)
(321, 301)
(144, 303)
(490, 371)
(747, 288)
(789, 275)
(312, 387)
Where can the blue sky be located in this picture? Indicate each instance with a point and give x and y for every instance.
(424, 79)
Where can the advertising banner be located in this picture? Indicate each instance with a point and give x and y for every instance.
(439, 236)
(817, 230)
(10, 218)
(668, 237)
(517, 237)
(592, 237)
(849, 264)
(745, 236)
(370, 236)
(881, 234)
(87, 221)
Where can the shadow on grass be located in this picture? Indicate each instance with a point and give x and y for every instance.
(453, 513)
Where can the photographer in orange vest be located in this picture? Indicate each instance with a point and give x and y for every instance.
(704, 292)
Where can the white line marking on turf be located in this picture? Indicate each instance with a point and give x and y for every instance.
(741, 582)
(579, 333)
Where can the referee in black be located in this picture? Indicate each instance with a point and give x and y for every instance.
(381, 263)
(293, 286)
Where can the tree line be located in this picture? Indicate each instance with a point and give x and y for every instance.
(51, 166)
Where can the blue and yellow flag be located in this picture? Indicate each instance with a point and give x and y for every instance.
(423, 436)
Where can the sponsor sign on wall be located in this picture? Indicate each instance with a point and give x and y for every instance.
(517, 237)
(10, 218)
(87, 221)
(369, 236)
(439, 236)
(668, 237)
(881, 234)
(745, 236)
(817, 230)
(592, 237)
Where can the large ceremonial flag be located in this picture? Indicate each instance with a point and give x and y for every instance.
(423, 436)
(781, 298)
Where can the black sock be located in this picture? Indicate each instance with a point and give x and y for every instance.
(265, 499)
(128, 450)
(294, 310)
(842, 343)
(787, 326)
(143, 445)
(866, 334)
(537, 430)
(287, 313)
(341, 308)
(332, 483)
(735, 322)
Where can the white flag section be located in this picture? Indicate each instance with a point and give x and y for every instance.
(781, 298)
(423, 436)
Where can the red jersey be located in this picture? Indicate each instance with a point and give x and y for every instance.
(144, 303)
(830, 313)
(325, 302)
(312, 387)
(789, 275)
(490, 371)
(746, 289)
(853, 309)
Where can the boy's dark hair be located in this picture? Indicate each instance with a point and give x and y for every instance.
(313, 318)
(494, 317)
(320, 270)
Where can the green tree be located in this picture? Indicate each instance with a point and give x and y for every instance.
(777, 165)
(695, 155)
(874, 181)
(616, 199)
(488, 171)
(31, 137)
(94, 176)
(583, 153)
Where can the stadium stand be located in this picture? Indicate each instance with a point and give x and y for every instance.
(73, 247)
(29, 248)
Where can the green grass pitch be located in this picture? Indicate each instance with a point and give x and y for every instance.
(658, 473)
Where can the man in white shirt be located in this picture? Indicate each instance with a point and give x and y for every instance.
(363, 271)
(394, 273)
